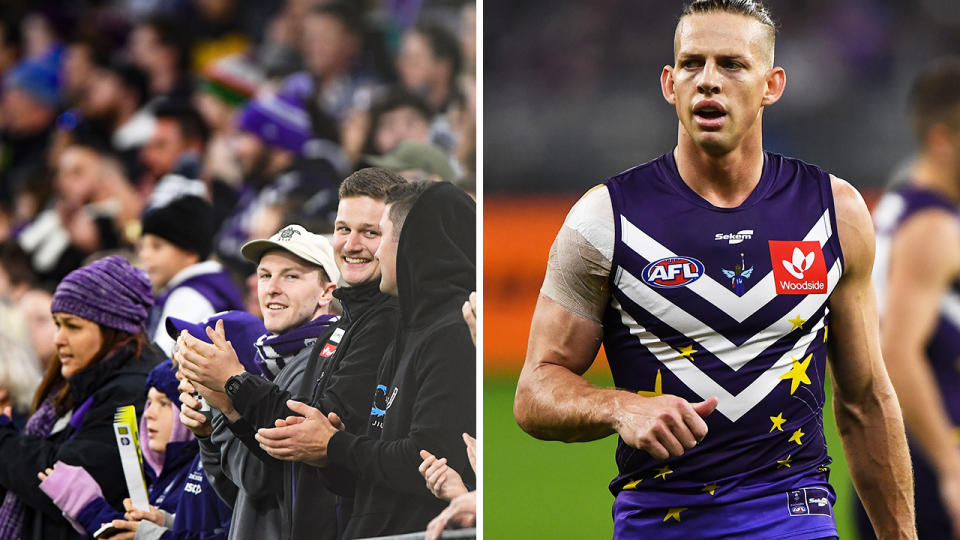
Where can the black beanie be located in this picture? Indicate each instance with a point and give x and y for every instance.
(186, 222)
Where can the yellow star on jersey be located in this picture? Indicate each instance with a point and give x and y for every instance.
(826, 330)
(797, 322)
(632, 484)
(687, 352)
(710, 489)
(798, 373)
(796, 436)
(778, 421)
(663, 472)
(784, 462)
(657, 388)
(674, 513)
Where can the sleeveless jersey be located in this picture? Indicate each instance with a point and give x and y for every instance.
(727, 302)
(943, 348)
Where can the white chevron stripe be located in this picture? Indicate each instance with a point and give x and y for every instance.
(704, 336)
(719, 295)
(731, 406)
(950, 308)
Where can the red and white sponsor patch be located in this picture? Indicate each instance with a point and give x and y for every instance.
(798, 267)
(328, 350)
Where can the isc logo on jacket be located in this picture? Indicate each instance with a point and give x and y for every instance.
(798, 267)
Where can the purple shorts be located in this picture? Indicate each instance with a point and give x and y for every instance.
(802, 513)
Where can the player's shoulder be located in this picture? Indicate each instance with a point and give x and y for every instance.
(854, 226)
(930, 228)
(920, 211)
(849, 204)
(595, 197)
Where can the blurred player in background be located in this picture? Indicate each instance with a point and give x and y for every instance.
(720, 386)
(918, 286)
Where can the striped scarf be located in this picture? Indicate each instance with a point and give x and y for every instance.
(274, 350)
(11, 513)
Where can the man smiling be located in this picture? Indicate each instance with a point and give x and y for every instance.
(425, 388)
(339, 376)
(296, 277)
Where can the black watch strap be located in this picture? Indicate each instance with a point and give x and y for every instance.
(232, 386)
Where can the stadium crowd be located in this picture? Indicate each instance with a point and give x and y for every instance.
(254, 222)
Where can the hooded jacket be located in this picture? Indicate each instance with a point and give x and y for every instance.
(426, 385)
(87, 440)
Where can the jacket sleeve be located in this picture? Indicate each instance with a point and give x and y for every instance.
(95, 514)
(444, 407)
(210, 458)
(350, 389)
(92, 446)
(260, 402)
(238, 464)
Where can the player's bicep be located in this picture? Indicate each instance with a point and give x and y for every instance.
(559, 337)
(854, 344)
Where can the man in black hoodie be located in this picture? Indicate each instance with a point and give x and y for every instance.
(425, 395)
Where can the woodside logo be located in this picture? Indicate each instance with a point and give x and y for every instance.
(798, 267)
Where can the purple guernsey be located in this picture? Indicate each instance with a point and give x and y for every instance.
(726, 302)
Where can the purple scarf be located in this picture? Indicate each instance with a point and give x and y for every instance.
(11, 513)
(274, 349)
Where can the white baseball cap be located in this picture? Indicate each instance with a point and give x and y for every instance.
(313, 248)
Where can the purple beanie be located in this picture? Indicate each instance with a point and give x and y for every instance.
(163, 377)
(109, 292)
(277, 120)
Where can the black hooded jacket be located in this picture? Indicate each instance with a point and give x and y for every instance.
(116, 381)
(426, 386)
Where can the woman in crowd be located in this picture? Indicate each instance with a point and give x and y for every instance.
(103, 358)
(168, 449)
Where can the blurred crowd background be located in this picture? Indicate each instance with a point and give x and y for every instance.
(110, 108)
(572, 96)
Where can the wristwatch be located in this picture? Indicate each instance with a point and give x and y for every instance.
(232, 386)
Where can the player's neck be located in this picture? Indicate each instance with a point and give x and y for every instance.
(724, 181)
(932, 175)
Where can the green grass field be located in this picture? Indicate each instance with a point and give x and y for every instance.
(538, 489)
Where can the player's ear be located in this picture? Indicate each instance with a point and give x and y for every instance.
(776, 82)
(666, 85)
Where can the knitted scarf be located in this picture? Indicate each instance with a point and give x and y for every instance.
(11, 513)
(275, 349)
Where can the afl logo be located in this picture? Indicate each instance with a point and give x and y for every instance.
(672, 272)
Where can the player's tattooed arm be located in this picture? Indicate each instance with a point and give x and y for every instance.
(553, 401)
(867, 412)
(579, 262)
